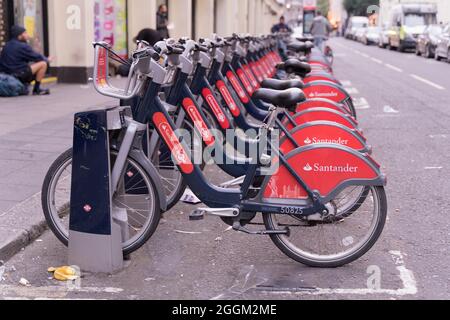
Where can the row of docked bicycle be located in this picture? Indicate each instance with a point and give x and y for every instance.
(299, 160)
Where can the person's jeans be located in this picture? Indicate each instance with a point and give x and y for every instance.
(319, 42)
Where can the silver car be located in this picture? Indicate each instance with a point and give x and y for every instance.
(371, 35)
(443, 45)
(383, 39)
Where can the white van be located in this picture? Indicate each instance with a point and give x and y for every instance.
(354, 24)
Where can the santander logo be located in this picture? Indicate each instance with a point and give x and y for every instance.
(316, 140)
(317, 167)
(323, 94)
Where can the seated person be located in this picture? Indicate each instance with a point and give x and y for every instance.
(20, 60)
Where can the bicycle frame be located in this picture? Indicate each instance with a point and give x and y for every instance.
(152, 108)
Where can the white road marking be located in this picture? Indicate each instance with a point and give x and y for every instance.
(438, 136)
(187, 232)
(357, 51)
(346, 83)
(52, 291)
(389, 109)
(376, 60)
(430, 83)
(390, 66)
(434, 168)
(361, 104)
(365, 55)
(405, 275)
(351, 90)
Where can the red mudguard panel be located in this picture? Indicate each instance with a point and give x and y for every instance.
(322, 114)
(321, 103)
(323, 90)
(237, 87)
(102, 67)
(255, 68)
(179, 155)
(313, 78)
(190, 108)
(214, 105)
(323, 134)
(245, 81)
(324, 169)
(251, 77)
(321, 65)
(226, 95)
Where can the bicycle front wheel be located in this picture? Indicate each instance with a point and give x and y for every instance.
(136, 194)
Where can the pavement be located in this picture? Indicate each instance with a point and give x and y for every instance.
(403, 107)
(34, 131)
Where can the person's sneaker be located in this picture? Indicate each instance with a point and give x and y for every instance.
(41, 92)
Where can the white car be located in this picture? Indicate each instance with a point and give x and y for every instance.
(383, 40)
(371, 36)
(354, 24)
(359, 34)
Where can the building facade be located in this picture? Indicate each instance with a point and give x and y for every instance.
(65, 29)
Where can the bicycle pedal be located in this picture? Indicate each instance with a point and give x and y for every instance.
(197, 215)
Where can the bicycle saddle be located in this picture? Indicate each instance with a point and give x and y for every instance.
(288, 99)
(282, 84)
(309, 45)
(305, 38)
(297, 46)
(295, 66)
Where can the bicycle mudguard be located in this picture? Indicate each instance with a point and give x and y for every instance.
(254, 82)
(320, 76)
(245, 81)
(322, 103)
(328, 90)
(320, 64)
(321, 114)
(324, 132)
(154, 175)
(326, 169)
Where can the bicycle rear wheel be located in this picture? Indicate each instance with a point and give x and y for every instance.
(336, 240)
(136, 194)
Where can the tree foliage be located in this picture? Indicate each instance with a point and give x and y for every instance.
(359, 7)
(323, 6)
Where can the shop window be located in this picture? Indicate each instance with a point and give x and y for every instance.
(29, 14)
(111, 24)
(3, 23)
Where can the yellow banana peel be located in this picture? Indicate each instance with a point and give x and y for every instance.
(64, 273)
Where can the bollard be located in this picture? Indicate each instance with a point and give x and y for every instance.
(96, 227)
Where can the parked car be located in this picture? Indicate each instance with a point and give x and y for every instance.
(443, 45)
(408, 21)
(371, 35)
(427, 42)
(359, 33)
(383, 39)
(354, 24)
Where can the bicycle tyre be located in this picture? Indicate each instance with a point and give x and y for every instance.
(64, 237)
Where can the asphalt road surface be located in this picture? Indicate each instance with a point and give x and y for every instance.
(404, 109)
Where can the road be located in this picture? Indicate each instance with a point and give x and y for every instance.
(404, 110)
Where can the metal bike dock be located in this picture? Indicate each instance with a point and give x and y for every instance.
(97, 227)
